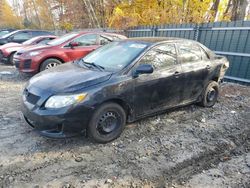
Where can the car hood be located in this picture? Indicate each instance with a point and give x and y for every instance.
(14, 48)
(67, 78)
(12, 44)
(35, 48)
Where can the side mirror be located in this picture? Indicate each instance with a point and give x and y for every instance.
(143, 69)
(73, 44)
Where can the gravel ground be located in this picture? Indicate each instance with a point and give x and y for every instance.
(186, 147)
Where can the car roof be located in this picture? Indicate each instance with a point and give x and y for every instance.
(34, 30)
(7, 29)
(153, 40)
(97, 32)
(46, 36)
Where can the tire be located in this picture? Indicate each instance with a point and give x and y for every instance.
(10, 59)
(107, 123)
(210, 94)
(50, 63)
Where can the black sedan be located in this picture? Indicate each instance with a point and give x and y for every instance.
(122, 82)
(20, 36)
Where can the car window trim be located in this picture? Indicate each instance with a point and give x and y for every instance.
(205, 52)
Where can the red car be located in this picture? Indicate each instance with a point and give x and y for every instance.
(67, 48)
(8, 50)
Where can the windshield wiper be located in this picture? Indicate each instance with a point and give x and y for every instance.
(94, 65)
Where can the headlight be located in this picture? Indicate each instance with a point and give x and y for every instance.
(34, 53)
(59, 101)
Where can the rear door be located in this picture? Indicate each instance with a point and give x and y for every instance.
(161, 89)
(195, 70)
(87, 43)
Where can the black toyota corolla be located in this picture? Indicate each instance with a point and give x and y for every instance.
(121, 82)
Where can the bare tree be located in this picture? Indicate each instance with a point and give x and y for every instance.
(238, 9)
(214, 9)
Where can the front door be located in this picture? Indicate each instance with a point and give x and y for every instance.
(159, 90)
(86, 44)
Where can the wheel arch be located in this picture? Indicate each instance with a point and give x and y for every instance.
(50, 57)
(126, 106)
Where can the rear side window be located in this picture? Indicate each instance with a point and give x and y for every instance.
(189, 53)
(161, 57)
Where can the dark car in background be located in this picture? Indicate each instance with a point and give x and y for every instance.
(5, 32)
(122, 82)
(67, 48)
(8, 50)
(20, 36)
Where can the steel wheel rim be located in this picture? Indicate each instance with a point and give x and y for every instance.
(211, 95)
(51, 65)
(108, 122)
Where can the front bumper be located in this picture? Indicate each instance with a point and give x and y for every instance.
(27, 65)
(3, 57)
(58, 123)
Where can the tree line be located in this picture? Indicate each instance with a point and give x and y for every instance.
(77, 14)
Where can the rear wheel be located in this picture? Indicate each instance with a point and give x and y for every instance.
(107, 123)
(210, 94)
(50, 63)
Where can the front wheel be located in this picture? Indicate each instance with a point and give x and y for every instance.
(11, 58)
(50, 63)
(107, 123)
(210, 94)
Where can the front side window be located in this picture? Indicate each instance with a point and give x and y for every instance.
(86, 40)
(189, 53)
(161, 57)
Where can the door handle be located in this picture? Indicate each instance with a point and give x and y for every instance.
(208, 67)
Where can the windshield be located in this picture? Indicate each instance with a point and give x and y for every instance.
(2, 33)
(28, 42)
(62, 39)
(116, 55)
(9, 34)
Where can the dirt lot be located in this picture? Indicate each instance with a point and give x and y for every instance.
(187, 147)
